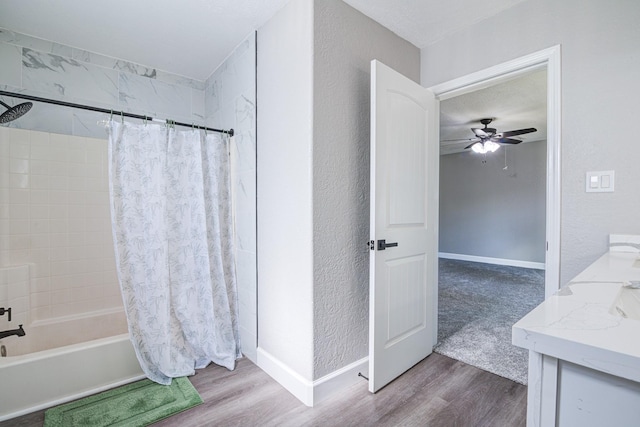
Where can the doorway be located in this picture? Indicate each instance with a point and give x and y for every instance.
(548, 59)
(492, 205)
(546, 63)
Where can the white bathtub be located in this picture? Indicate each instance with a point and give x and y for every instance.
(64, 331)
(47, 378)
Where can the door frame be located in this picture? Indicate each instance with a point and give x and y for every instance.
(549, 59)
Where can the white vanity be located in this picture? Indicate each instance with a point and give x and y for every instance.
(584, 355)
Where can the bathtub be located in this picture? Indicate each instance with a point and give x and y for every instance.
(63, 331)
(47, 377)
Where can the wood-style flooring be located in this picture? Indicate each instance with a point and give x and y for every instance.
(438, 391)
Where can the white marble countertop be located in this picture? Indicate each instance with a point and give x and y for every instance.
(576, 325)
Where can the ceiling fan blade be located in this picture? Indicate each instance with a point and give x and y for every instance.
(480, 133)
(506, 140)
(458, 140)
(515, 132)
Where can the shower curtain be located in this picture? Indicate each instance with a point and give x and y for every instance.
(173, 237)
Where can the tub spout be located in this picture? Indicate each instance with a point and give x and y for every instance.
(19, 332)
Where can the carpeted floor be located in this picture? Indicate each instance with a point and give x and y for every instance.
(477, 305)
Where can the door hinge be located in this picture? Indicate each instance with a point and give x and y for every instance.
(372, 245)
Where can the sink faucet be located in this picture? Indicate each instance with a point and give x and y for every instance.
(19, 332)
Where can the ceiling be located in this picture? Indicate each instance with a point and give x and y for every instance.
(191, 38)
(423, 22)
(515, 104)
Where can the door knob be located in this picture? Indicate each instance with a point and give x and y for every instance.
(382, 245)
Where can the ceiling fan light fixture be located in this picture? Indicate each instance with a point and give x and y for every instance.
(485, 147)
(478, 148)
(487, 139)
(491, 146)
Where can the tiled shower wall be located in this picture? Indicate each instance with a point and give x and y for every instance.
(54, 217)
(50, 70)
(14, 287)
(230, 97)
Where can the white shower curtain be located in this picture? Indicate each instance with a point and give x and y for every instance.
(172, 231)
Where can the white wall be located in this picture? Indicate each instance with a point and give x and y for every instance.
(486, 211)
(600, 69)
(285, 176)
(313, 182)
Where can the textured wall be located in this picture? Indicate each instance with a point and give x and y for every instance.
(285, 290)
(600, 69)
(489, 212)
(345, 42)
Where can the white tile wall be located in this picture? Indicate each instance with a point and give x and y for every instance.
(82, 81)
(10, 68)
(230, 98)
(153, 96)
(50, 70)
(14, 294)
(54, 216)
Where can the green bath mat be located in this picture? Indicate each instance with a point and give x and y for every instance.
(136, 404)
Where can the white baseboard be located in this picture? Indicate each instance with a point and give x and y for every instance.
(340, 379)
(311, 392)
(496, 261)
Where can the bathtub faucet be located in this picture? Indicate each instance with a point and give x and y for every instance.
(19, 332)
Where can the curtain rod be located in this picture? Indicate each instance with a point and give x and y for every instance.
(104, 110)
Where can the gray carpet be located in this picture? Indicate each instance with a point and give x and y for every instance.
(477, 305)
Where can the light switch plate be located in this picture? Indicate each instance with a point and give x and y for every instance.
(600, 182)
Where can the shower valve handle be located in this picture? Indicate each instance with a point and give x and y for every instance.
(5, 310)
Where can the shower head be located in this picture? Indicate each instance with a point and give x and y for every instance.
(14, 112)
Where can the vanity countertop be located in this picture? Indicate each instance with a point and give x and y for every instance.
(576, 323)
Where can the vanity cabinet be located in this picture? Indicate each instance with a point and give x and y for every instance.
(584, 355)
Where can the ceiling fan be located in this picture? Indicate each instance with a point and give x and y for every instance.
(488, 139)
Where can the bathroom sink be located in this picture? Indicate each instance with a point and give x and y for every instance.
(627, 302)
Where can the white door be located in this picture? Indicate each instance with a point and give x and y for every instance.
(403, 269)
